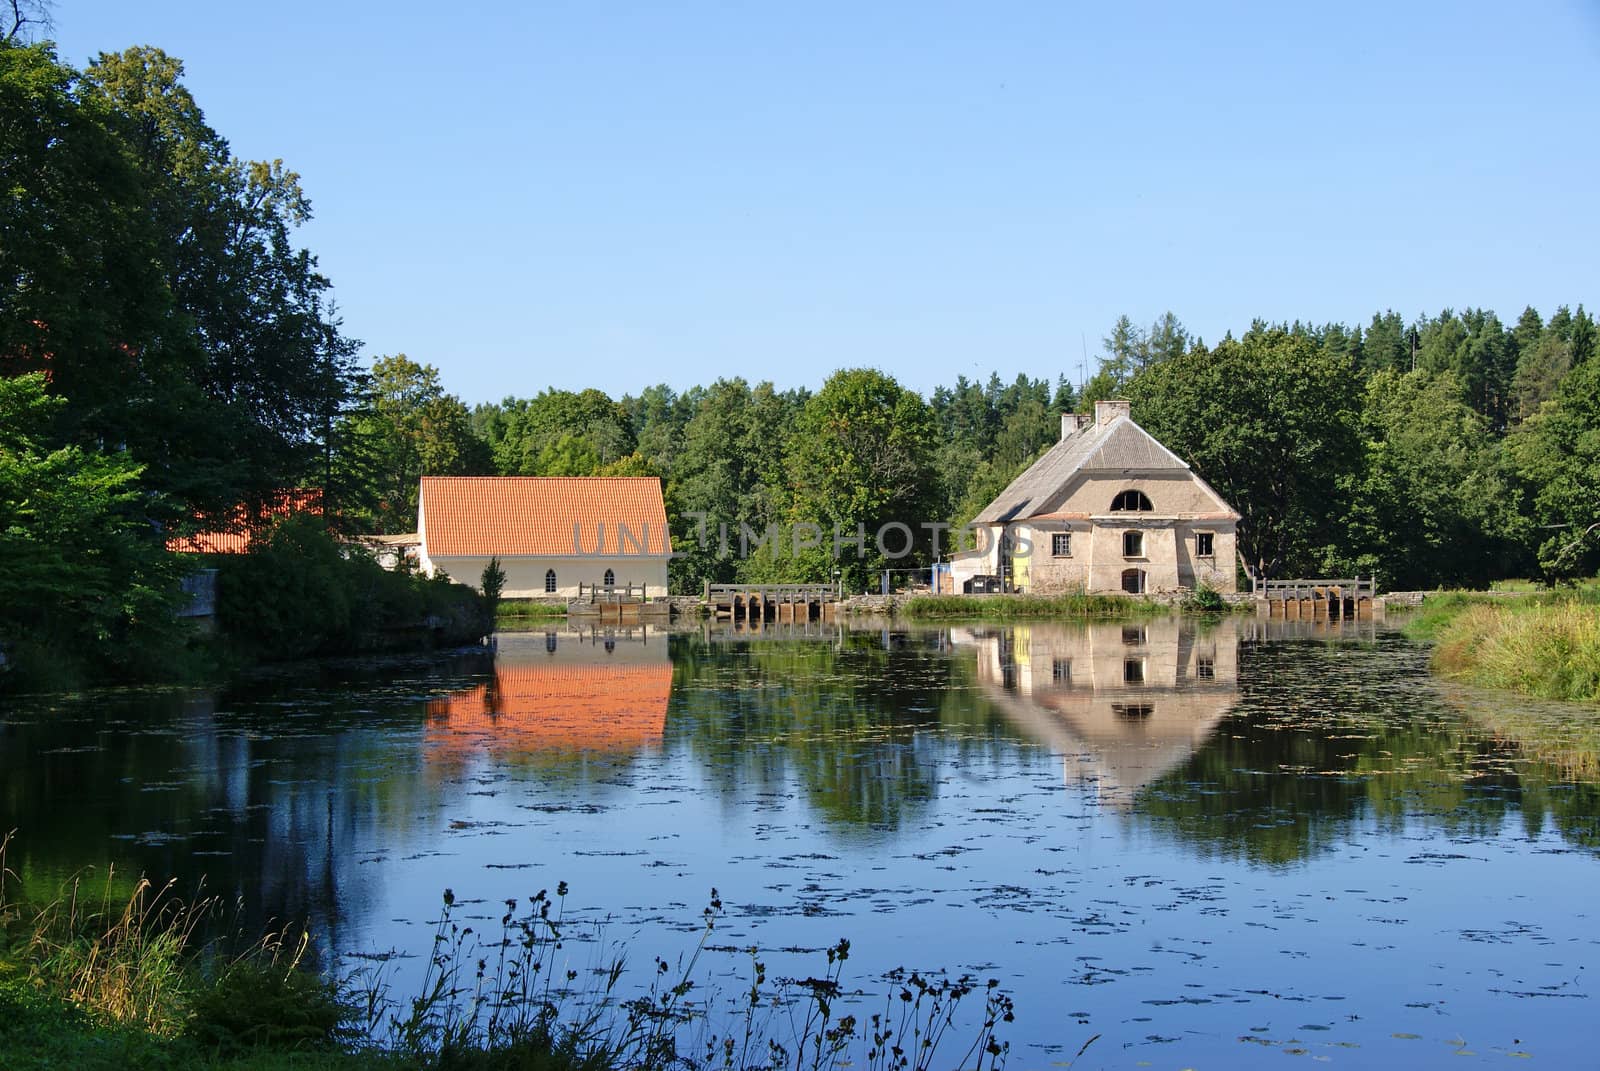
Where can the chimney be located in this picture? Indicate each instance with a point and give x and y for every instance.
(1107, 411)
(1071, 424)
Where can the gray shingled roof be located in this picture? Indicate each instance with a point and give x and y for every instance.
(1120, 445)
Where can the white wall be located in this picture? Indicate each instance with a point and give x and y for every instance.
(525, 576)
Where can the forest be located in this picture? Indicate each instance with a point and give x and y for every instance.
(169, 352)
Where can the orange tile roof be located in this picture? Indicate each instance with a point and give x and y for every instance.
(511, 515)
(553, 708)
(241, 527)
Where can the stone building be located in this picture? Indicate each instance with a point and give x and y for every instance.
(1106, 509)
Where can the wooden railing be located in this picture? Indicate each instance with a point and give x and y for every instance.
(1353, 588)
(612, 592)
(771, 592)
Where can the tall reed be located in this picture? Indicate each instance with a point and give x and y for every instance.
(1551, 650)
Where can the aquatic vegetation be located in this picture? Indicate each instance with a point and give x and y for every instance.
(513, 993)
(130, 984)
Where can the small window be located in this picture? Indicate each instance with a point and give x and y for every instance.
(1133, 711)
(1061, 670)
(1133, 635)
(550, 643)
(1061, 545)
(1204, 545)
(611, 578)
(1133, 671)
(1205, 669)
(1133, 581)
(549, 581)
(1129, 501)
(1133, 544)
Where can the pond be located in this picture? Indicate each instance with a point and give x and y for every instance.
(1210, 844)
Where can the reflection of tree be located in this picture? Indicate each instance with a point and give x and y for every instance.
(1327, 736)
(261, 795)
(844, 719)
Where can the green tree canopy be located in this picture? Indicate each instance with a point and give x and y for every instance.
(1270, 421)
(862, 454)
(1556, 456)
(411, 428)
(82, 570)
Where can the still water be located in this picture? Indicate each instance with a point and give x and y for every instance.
(1213, 845)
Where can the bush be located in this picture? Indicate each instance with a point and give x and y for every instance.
(299, 592)
(259, 1002)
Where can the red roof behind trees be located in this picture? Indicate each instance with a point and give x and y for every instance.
(528, 515)
(242, 526)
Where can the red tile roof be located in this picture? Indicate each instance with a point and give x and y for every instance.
(553, 708)
(517, 515)
(235, 532)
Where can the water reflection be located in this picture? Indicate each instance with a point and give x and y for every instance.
(558, 692)
(1122, 703)
(860, 721)
(1291, 812)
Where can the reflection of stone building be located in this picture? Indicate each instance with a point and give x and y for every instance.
(559, 692)
(1122, 702)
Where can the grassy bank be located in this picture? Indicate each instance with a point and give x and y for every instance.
(111, 980)
(514, 613)
(1073, 604)
(1545, 645)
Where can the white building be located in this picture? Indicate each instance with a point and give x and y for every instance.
(551, 533)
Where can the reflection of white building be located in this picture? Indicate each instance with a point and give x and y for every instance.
(1122, 702)
(559, 692)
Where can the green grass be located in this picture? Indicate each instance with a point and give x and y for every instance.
(513, 612)
(1018, 607)
(1545, 644)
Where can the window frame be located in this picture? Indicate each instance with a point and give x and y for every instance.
(549, 581)
(609, 581)
(1137, 536)
(1060, 544)
(1211, 551)
(1141, 502)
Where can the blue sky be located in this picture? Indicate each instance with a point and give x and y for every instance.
(538, 194)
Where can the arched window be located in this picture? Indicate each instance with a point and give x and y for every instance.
(550, 581)
(611, 579)
(1131, 500)
(550, 643)
(1133, 581)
